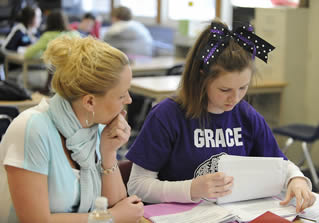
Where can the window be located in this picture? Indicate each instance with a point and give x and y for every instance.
(79, 6)
(252, 4)
(96, 6)
(265, 3)
(143, 8)
(200, 10)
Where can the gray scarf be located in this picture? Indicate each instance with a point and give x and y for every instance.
(82, 142)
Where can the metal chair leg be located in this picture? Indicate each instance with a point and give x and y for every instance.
(287, 144)
(310, 164)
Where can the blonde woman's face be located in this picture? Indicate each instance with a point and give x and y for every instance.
(114, 101)
(227, 90)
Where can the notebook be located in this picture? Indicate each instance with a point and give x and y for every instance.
(269, 217)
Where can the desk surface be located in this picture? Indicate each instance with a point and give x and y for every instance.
(19, 58)
(144, 220)
(155, 64)
(140, 65)
(25, 104)
(161, 86)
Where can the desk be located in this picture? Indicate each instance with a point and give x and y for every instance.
(160, 87)
(140, 66)
(25, 104)
(154, 65)
(17, 58)
(144, 220)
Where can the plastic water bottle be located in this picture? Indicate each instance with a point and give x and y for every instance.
(100, 214)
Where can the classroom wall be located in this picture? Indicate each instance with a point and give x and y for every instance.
(285, 29)
(312, 81)
(296, 61)
(300, 100)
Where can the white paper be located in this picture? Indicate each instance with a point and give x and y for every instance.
(205, 212)
(312, 213)
(249, 210)
(254, 177)
(243, 211)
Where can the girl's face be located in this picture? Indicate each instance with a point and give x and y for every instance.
(107, 107)
(37, 18)
(227, 90)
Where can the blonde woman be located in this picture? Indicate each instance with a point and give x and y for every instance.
(63, 151)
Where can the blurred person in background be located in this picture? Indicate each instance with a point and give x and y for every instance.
(127, 35)
(89, 25)
(25, 32)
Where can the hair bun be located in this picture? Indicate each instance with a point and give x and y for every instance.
(58, 51)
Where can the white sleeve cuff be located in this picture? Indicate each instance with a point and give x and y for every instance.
(294, 171)
(145, 184)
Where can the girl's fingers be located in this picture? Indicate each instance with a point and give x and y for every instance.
(219, 194)
(223, 188)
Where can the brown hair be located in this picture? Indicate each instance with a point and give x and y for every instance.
(27, 16)
(192, 92)
(122, 13)
(57, 21)
(83, 66)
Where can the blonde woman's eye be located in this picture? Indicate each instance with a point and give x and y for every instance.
(224, 90)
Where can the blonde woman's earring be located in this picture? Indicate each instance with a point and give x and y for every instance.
(87, 120)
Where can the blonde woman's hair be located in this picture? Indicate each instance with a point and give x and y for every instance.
(83, 66)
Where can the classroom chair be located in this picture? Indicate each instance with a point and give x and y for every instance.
(175, 70)
(7, 114)
(146, 105)
(125, 167)
(307, 135)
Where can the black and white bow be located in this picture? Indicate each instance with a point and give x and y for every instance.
(244, 36)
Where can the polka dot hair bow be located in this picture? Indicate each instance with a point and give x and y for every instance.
(244, 36)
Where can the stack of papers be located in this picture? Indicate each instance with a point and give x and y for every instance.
(249, 210)
(312, 213)
(257, 180)
(208, 212)
(203, 212)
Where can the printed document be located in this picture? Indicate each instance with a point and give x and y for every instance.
(312, 213)
(208, 212)
(249, 210)
(204, 212)
(254, 177)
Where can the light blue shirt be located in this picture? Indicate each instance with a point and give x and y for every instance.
(42, 152)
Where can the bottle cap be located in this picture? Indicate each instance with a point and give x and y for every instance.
(101, 202)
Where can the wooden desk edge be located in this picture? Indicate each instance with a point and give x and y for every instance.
(19, 58)
(25, 104)
(254, 89)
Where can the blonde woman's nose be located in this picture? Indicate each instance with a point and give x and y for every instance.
(128, 99)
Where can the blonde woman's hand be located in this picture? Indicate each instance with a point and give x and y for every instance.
(212, 185)
(116, 133)
(130, 209)
(299, 188)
